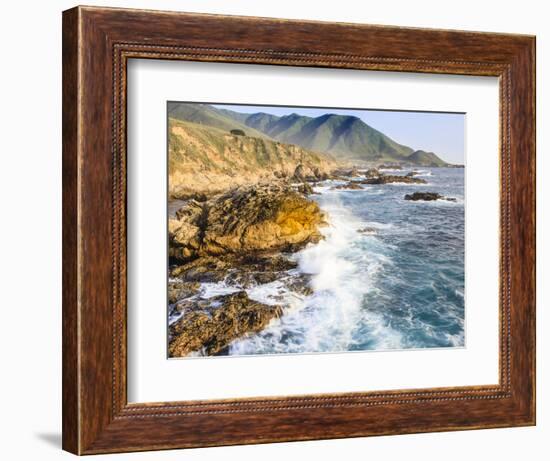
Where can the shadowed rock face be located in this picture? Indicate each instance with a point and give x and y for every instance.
(186, 229)
(255, 218)
(210, 325)
(242, 270)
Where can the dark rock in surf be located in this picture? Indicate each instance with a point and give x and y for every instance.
(388, 179)
(352, 185)
(211, 325)
(428, 196)
(368, 231)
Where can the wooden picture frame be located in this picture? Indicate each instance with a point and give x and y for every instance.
(97, 43)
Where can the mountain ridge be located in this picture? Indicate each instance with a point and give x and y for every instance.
(345, 137)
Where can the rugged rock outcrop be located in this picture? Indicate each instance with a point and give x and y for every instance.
(304, 173)
(269, 217)
(255, 218)
(239, 238)
(186, 230)
(237, 270)
(210, 325)
(428, 196)
(372, 173)
(305, 188)
(179, 289)
(343, 173)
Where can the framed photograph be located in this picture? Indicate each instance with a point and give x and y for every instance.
(281, 230)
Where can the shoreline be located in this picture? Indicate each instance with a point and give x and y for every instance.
(244, 277)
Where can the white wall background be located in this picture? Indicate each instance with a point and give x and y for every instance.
(30, 233)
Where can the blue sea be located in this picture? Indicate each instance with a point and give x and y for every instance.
(388, 275)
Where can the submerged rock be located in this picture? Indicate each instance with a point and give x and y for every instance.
(300, 284)
(211, 325)
(368, 231)
(428, 196)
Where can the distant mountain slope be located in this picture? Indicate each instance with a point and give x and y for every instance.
(345, 137)
(424, 158)
(204, 114)
(206, 159)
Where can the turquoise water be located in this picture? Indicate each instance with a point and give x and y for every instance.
(388, 275)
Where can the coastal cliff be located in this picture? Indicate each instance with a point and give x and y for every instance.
(205, 159)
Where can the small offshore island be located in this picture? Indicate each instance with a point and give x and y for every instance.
(249, 214)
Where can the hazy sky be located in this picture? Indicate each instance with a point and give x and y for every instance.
(442, 133)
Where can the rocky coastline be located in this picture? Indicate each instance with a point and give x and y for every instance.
(244, 237)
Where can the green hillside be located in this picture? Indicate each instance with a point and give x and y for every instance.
(204, 159)
(204, 114)
(344, 137)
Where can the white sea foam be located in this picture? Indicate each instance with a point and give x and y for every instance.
(340, 278)
(415, 184)
(209, 290)
(439, 202)
(393, 170)
(379, 225)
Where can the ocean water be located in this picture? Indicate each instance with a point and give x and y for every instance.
(399, 284)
